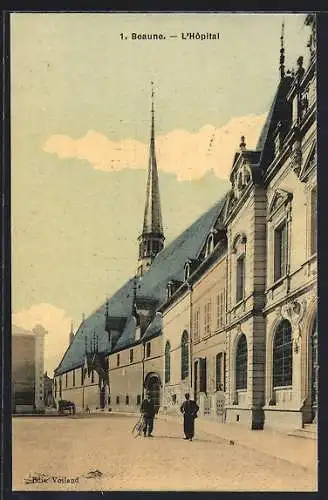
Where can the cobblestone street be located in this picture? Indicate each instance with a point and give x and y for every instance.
(100, 453)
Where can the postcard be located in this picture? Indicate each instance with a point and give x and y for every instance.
(164, 251)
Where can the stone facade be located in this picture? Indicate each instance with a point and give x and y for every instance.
(237, 325)
(176, 323)
(28, 369)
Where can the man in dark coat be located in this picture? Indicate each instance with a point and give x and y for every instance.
(189, 409)
(148, 411)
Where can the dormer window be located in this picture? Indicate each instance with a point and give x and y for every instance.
(187, 271)
(240, 181)
(138, 332)
(209, 245)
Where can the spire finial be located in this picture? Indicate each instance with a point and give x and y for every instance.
(242, 144)
(282, 51)
(152, 113)
(71, 334)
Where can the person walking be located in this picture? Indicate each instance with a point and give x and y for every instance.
(148, 411)
(189, 409)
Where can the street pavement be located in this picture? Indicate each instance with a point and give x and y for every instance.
(99, 453)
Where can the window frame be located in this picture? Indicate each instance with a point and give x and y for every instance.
(281, 250)
(196, 325)
(207, 318)
(240, 278)
(241, 363)
(167, 362)
(285, 359)
(218, 370)
(184, 355)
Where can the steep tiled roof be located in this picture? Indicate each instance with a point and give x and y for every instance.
(167, 265)
(154, 328)
(278, 112)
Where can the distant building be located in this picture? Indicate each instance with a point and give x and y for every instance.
(48, 397)
(227, 311)
(27, 369)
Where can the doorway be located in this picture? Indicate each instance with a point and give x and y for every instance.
(196, 381)
(153, 386)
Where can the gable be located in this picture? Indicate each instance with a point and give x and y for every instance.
(280, 198)
(309, 163)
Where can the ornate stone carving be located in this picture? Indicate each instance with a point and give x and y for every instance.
(294, 311)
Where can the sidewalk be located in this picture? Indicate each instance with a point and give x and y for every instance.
(302, 452)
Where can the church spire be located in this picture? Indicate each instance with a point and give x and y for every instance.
(151, 240)
(282, 52)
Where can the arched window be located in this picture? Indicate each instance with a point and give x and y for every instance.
(167, 362)
(241, 363)
(184, 356)
(282, 355)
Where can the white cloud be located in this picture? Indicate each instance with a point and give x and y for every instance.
(188, 155)
(57, 324)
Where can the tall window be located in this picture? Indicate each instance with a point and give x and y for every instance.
(127, 399)
(220, 310)
(218, 372)
(313, 243)
(82, 376)
(283, 355)
(167, 362)
(73, 378)
(184, 356)
(240, 292)
(148, 350)
(66, 379)
(131, 355)
(241, 363)
(207, 319)
(138, 399)
(92, 376)
(196, 325)
(117, 400)
(118, 360)
(280, 251)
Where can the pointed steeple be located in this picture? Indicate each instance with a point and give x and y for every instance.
(282, 52)
(153, 216)
(152, 238)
